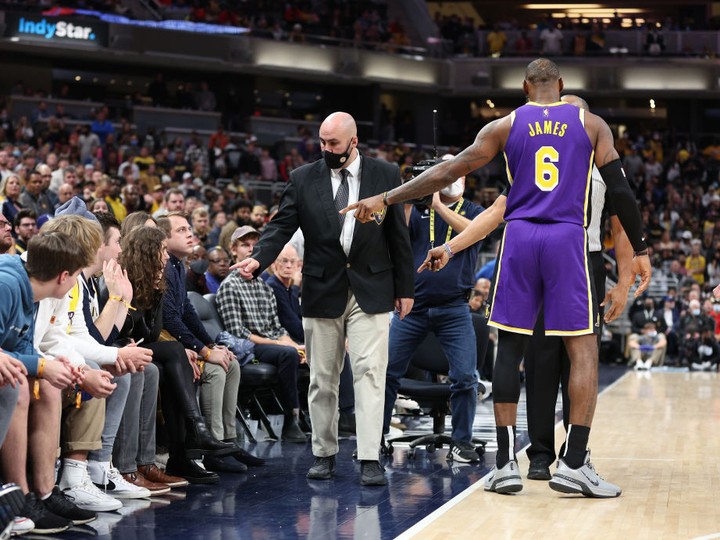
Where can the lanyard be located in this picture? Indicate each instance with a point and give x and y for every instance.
(432, 224)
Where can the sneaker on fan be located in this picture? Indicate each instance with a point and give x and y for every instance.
(406, 404)
(44, 521)
(21, 525)
(583, 480)
(84, 494)
(462, 451)
(108, 479)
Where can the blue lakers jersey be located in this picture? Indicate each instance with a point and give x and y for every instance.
(549, 163)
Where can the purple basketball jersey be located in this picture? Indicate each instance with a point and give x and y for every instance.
(549, 163)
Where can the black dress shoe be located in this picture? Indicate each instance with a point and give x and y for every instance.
(292, 433)
(372, 474)
(199, 441)
(243, 456)
(539, 470)
(322, 469)
(192, 472)
(225, 464)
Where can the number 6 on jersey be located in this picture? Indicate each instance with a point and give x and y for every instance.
(546, 172)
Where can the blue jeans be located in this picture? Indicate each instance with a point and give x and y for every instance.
(454, 330)
(114, 407)
(8, 400)
(135, 441)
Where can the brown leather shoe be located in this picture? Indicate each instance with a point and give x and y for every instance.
(137, 479)
(153, 473)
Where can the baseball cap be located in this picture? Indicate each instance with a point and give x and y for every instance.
(75, 206)
(198, 182)
(166, 179)
(242, 232)
(187, 175)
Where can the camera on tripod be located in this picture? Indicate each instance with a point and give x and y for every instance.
(420, 167)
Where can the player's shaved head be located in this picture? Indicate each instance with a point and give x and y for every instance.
(542, 71)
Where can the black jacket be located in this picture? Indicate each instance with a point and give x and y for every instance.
(378, 269)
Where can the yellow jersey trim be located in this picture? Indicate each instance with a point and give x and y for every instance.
(499, 270)
(588, 183)
(524, 331)
(561, 333)
(553, 104)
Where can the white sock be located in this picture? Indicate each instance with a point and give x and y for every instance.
(99, 471)
(73, 473)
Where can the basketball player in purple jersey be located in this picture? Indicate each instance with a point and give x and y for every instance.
(550, 148)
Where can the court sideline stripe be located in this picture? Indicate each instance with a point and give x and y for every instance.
(427, 520)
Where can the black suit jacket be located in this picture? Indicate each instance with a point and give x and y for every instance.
(379, 267)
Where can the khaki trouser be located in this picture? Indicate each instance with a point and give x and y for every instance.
(367, 337)
(218, 399)
(657, 356)
(83, 427)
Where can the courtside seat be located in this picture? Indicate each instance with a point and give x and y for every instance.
(433, 394)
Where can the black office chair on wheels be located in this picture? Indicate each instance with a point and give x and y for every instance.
(435, 395)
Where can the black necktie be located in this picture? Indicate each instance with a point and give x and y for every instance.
(341, 197)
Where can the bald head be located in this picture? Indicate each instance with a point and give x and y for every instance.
(575, 100)
(542, 71)
(340, 123)
(338, 136)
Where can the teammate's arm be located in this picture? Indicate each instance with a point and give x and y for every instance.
(483, 224)
(617, 296)
(453, 219)
(608, 163)
(610, 167)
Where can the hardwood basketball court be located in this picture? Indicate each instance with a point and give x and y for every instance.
(655, 434)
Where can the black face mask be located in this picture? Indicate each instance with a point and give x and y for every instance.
(335, 161)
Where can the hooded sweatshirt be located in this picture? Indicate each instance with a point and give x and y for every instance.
(17, 312)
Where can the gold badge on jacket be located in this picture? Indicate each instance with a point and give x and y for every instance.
(379, 216)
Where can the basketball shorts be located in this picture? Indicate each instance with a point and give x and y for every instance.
(544, 265)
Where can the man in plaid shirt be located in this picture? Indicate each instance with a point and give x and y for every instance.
(249, 310)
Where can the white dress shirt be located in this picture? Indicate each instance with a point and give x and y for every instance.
(346, 235)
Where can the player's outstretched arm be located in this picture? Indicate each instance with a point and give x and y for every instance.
(489, 141)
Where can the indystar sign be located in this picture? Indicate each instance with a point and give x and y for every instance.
(55, 29)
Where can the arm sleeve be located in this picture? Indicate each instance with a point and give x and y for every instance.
(289, 318)
(230, 309)
(73, 322)
(275, 326)
(280, 229)
(625, 203)
(194, 324)
(52, 340)
(174, 312)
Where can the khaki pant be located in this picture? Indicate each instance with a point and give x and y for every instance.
(218, 399)
(367, 337)
(657, 356)
(81, 428)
